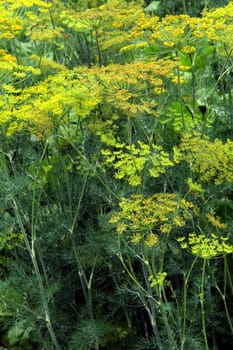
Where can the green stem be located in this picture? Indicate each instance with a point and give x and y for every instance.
(16, 52)
(30, 246)
(228, 272)
(185, 302)
(85, 281)
(98, 48)
(226, 307)
(91, 168)
(184, 7)
(129, 270)
(223, 294)
(31, 251)
(193, 60)
(180, 95)
(34, 191)
(202, 301)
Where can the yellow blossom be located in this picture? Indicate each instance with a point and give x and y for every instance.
(215, 220)
(136, 238)
(158, 279)
(206, 247)
(188, 49)
(151, 240)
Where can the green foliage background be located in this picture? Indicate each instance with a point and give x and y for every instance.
(116, 159)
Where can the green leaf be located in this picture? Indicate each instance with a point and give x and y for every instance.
(153, 6)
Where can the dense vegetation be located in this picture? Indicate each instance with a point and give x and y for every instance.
(116, 175)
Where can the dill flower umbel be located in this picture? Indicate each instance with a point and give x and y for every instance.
(206, 247)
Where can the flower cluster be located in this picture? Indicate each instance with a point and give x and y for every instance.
(131, 162)
(158, 279)
(206, 247)
(212, 161)
(145, 218)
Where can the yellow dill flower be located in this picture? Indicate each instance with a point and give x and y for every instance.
(184, 245)
(20, 74)
(115, 218)
(185, 68)
(47, 34)
(127, 48)
(215, 220)
(41, 123)
(151, 240)
(194, 187)
(169, 43)
(188, 49)
(10, 88)
(130, 162)
(159, 90)
(122, 227)
(8, 58)
(211, 160)
(180, 239)
(158, 279)
(13, 127)
(145, 214)
(8, 36)
(165, 228)
(212, 35)
(141, 45)
(179, 221)
(186, 203)
(206, 247)
(47, 63)
(177, 80)
(14, 5)
(227, 248)
(136, 238)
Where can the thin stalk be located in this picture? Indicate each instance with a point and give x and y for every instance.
(151, 309)
(159, 295)
(34, 191)
(226, 307)
(31, 251)
(30, 246)
(175, 322)
(229, 91)
(150, 305)
(129, 269)
(223, 72)
(193, 82)
(86, 282)
(202, 301)
(229, 278)
(42, 50)
(224, 275)
(96, 174)
(178, 320)
(172, 341)
(98, 48)
(184, 6)
(129, 130)
(126, 312)
(16, 52)
(180, 95)
(131, 274)
(185, 302)
(106, 186)
(223, 294)
(90, 55)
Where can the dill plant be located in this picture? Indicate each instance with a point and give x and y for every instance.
(116, 176)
